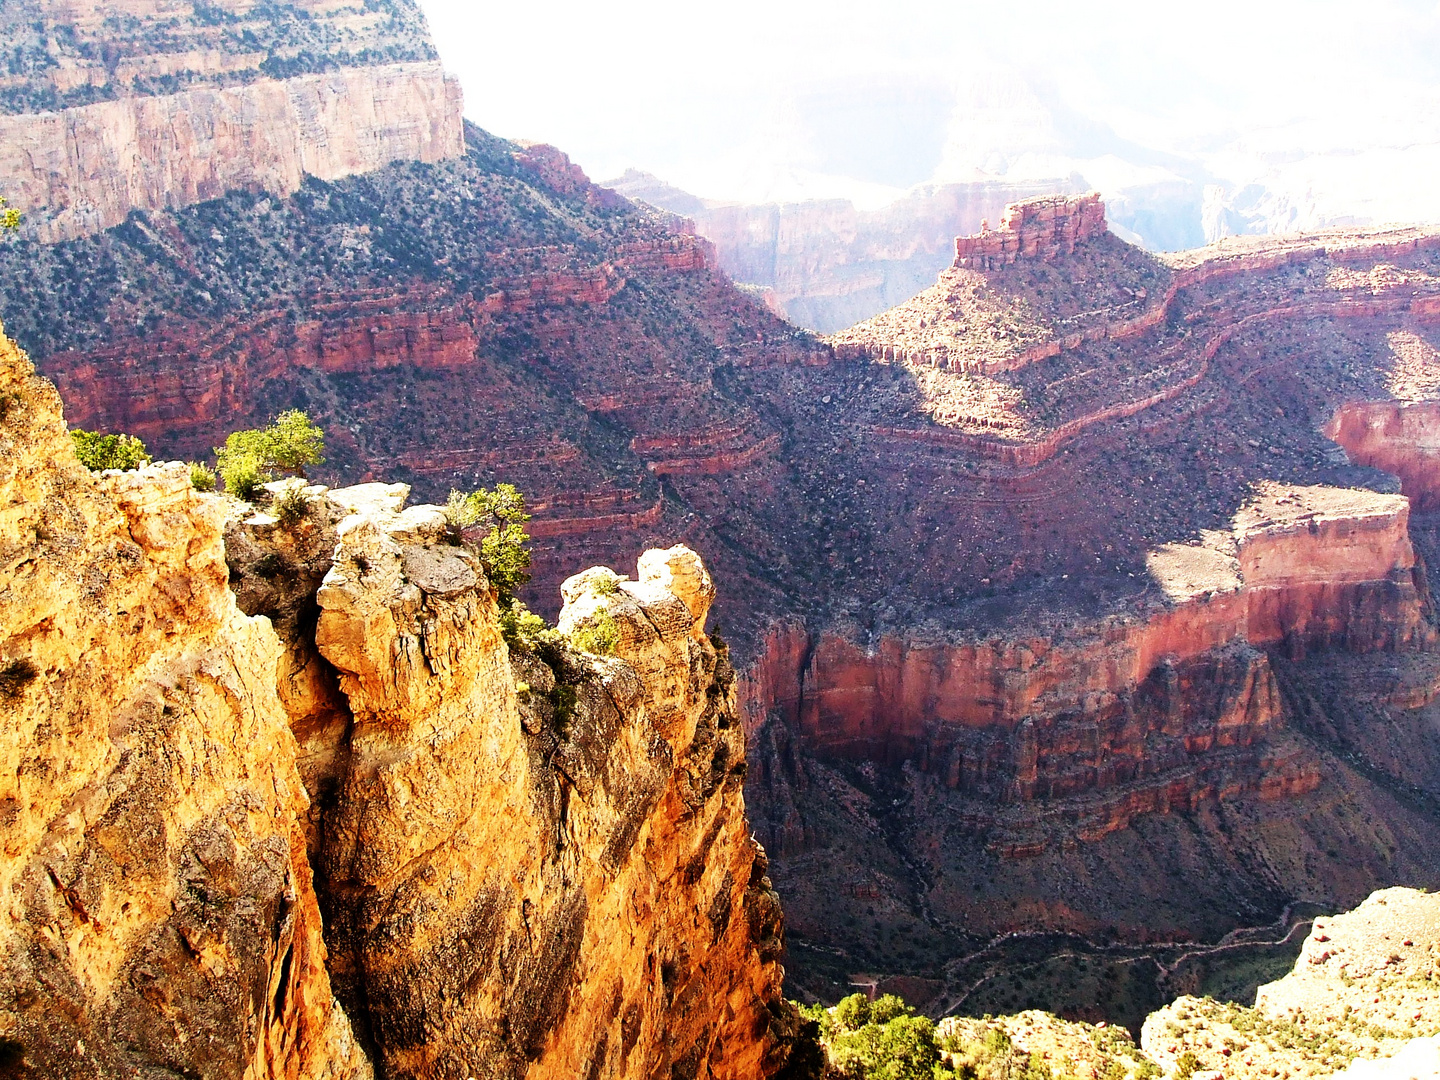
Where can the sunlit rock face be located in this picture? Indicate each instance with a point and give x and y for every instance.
(215, 834)
(1013, 653)
(110, 108)
(1361, 992)
(161, 913)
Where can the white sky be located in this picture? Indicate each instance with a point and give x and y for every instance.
(710, 97)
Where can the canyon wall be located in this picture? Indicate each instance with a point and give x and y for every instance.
(85, 169)
(1397, 437)
(826, 263)
(107, 109)
(525, 863)
(1151, 701)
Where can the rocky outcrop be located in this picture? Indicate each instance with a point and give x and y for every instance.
(85, 169)
(530, 864)
(1362, 989)
(1401, 438)
(554, 881)
(160, 911)
(1044, 228)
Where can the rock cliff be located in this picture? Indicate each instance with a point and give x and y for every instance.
(529, 863)
(1153, 709)
(145, 110)
(161, 913)
(1058, 610)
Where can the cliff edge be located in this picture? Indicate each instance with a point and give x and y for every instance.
(227, 850)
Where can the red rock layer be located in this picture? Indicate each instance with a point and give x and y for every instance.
(1397, 437)
(1195, 271)
(1076, 711)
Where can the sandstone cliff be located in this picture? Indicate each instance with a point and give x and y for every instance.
(525, 864)
(1003, 461)
(160, 907)
(144, 111)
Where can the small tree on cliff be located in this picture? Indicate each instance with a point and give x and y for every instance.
(99, 452)
(9, 218)
(502, 549)
(250, 458)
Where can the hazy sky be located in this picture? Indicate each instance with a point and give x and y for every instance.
(713, 96)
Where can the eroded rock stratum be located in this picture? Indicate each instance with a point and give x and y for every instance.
(229, 851)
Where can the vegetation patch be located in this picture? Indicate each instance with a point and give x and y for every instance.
(99, 452)
(503, 553)
(202, 477)
(291, 507)
(599, 636)
(882, 1039)
(249, 459)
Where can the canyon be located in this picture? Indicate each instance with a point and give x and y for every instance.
(1080, 602)
(824, 263)
(329, 822)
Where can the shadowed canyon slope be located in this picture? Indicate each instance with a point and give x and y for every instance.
(1084, 593)
(366, 838)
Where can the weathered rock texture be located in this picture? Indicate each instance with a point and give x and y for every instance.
(1043, 228)
(1154, 710)
(160, 915)
(154, 117)
(558, 882)
(555, 883)
(1010, 458)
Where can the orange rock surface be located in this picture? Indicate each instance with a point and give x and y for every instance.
(542, 878)
(160, 908)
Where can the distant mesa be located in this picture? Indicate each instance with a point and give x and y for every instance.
(1042, 228)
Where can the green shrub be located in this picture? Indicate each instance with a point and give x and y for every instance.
(997, 1041)
(903, 1048)
(291, 507)
(502, 549)
(99, 452)
(598, 636)
(888, 1007)
(607, 584)
(242, 477)
(820, 1015)
(1186, 1066)
(524, 631)
(253, 457)
(202, 477)
(853, 1012)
